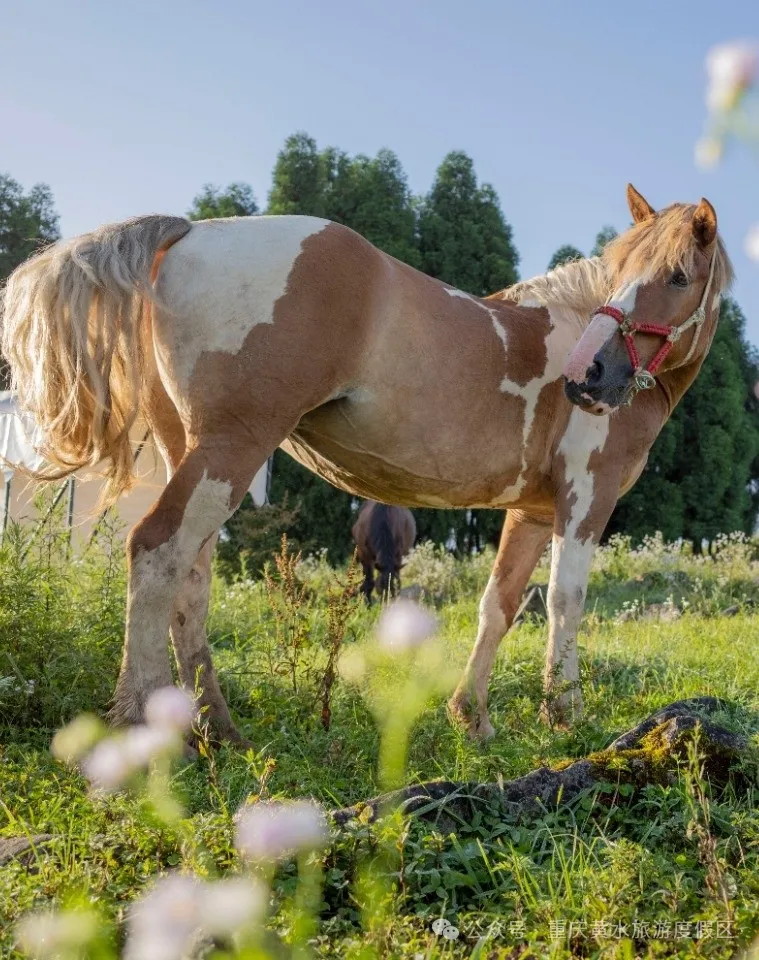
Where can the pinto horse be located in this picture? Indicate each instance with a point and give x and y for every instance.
(233, 337)
(383, 535)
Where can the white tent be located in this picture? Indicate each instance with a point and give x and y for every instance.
(17, 446)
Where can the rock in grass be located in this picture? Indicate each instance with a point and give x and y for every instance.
(23, 848)
(650, 753)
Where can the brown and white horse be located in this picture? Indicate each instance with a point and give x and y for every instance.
(232, 337)
(383, 536)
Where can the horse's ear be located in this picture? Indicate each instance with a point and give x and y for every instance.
(704, 224)
(640, 208)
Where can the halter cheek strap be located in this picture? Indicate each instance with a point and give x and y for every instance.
(644, 376)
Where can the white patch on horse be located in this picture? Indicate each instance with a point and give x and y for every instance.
(624, 298)
(571, 555)
(583, 437)
(600, 330)
(565, 326)
(218, 282)
(497, 325)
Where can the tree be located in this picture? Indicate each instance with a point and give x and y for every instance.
(371, 196)
(565, 254)
(236, 200)
(700, 477)
(28, 221)
(604, 235)
(299, 179)
(464, 238)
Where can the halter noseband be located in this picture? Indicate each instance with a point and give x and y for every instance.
(644, 376)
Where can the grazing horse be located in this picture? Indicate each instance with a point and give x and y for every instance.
(383, 535)
(232, 337)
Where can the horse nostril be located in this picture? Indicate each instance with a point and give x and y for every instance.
(595, 373)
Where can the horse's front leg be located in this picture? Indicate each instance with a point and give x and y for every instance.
(570, 568)
(367, 587)
(579, 524)
(522, 542)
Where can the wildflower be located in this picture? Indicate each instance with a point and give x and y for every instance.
(77, 738)
(732, 69)
(405, 625)
(108, 766)
(142, 744)
(56, 934)
(172, 708)
(229, 905)
(161, 924)
(116, 759)
(752, 243)
(274, 831)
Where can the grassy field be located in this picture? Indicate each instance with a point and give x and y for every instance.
(632, 878)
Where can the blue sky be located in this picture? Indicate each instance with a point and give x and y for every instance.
(129, 108)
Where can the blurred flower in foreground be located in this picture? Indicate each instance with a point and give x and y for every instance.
(56, 935)
(709, 152)
(77, 738)
(109, 763)
(732, 69)
(405, 625)
(273, 831)
(171, 708)
(752, 242)
(180, 909)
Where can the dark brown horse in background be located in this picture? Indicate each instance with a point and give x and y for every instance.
(383, 535)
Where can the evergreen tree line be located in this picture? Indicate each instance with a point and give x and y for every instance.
(702, 478)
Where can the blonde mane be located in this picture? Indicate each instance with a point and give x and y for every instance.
(663, 242)
(580, 285)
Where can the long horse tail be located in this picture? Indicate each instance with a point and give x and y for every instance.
(73, 335)
(382, 541)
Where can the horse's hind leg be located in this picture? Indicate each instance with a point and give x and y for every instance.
(522, 543)
(162, 549)
(188, 636)
(188, 618)
(368, 585)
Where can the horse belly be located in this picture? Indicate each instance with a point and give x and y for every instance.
(405, 462)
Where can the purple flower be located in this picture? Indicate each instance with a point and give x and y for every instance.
(405, 625)
(274, 831)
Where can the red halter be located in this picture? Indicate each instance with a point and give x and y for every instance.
(644, 376)
(627, 328)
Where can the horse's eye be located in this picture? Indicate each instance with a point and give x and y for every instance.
(678, 279)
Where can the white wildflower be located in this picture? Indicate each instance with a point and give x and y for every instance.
(172, 708)
(404, 625)
(732, 69)
(108, 766)
(229, 905)
(56, 934)
(161, 924)
(142, 744)
(273, 831)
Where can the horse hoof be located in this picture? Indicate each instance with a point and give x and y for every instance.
(477, 726)
(562, 712)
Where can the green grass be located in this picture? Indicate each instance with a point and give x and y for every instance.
(513, 889)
